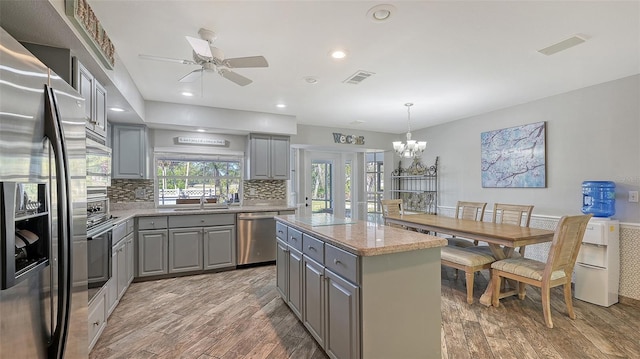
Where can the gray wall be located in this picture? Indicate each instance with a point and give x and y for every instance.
(167, 138)
(592, 134)
(322, 138)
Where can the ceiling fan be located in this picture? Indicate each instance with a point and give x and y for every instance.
(211, 59)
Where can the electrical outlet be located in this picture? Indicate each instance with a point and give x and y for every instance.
(633, 196)
(252, 191)
(140, 193)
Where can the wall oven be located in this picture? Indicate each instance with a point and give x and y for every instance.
(99, 240)
(98, 164)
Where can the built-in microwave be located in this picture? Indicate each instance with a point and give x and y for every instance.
(98, 164)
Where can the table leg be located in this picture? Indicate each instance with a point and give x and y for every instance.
(499, 253)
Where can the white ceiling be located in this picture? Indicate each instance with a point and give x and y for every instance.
(451, 59)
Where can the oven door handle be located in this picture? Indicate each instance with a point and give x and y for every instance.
(108, 229)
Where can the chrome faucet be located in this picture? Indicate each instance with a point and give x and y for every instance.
(202, 201)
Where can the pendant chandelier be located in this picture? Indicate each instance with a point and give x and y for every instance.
(413, 148)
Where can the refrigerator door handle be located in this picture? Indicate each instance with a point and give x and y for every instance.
(53, 131)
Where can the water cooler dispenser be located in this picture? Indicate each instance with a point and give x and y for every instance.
(598, 264)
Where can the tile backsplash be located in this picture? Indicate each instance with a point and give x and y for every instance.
(140, 191)
(264, 190)
(130, 190)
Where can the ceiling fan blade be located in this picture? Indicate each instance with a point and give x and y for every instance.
(192, 76)
(251, 61)
(201, 47)
(235, 77)
(166, 59)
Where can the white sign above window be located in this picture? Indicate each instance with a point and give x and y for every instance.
(201, 141)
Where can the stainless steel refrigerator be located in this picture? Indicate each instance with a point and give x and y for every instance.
(43, 262)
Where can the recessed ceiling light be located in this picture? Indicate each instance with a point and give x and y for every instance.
(338, 54)
(281, 105)
(311, 80)
(116, 109)
(188, 94)
(201, 130)
(381, 13)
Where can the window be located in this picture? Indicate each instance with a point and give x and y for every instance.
(375, 181)
(186, 181)
(321, 191)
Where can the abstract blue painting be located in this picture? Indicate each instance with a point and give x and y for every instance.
(514, 157)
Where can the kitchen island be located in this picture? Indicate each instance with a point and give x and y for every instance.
(363, 290)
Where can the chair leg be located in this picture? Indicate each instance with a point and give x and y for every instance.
(469, 277)
(568, 299)
(496, 283)
(546, 304)
(522, 290)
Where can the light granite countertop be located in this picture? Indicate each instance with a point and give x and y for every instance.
(125, 214)
(363, 238)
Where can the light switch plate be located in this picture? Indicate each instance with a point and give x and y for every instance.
(633, 196)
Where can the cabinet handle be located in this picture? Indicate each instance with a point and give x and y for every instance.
(336, 261)
(280, 232)
(141, 175)
(152, 223)
(311, 248)
(96, 323)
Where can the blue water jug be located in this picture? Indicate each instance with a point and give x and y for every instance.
(599, 198)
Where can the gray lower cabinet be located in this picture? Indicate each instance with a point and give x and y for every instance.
(295, 282)
(219, 247)
(96, 319)
(153, 251)
(313, 312)
(185, 250)
(191, 243)
(122, 261)
(130, 257)
(327, 303)
(111, 293)
(282, 269)
(343, 320)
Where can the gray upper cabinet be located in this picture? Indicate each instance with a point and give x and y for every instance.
(95, 97)
(99, 110)
(129, 152)
(268, 157)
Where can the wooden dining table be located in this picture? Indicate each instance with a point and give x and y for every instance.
(501, 238)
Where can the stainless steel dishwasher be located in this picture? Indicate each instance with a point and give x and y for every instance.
(256, 237)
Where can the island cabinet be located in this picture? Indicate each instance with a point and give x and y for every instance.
(363, 302)
(289, 268)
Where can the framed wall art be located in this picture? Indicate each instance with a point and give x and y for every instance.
(514, 157)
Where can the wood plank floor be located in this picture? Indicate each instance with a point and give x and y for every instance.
(238, 314)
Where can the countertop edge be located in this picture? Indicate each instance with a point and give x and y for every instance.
(433, 242)
(125, 214)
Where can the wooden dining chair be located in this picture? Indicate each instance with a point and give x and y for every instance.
(516, 214)
(555, 272)
(392, 207)
(467, 210)
(467, 260)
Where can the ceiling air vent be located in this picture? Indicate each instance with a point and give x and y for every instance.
(562, 45)
(358, 77)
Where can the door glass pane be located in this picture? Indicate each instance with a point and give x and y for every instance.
(347, 189)
(321, 190)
